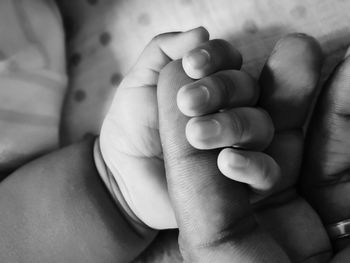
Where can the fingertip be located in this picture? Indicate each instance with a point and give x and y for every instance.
(191, 99)
(270, 174)
(229, 161)
(200, 33)
(302, 45)
(210, 57)
(195, 61)
(202, 132)
(289, 80)
(256, 169)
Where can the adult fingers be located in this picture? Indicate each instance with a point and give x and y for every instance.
(288, 87)
(289, 80)
(214, 215)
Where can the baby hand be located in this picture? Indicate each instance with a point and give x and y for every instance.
(222, 115)
(129, 139)
(220, 104)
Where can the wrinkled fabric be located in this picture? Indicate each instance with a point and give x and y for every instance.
(32, 79)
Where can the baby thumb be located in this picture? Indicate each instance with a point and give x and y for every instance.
(213, 213)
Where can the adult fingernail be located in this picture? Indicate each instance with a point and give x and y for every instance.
(193, 97)
(206, 129)
(198, 58)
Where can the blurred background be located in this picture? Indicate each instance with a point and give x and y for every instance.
(104, 38)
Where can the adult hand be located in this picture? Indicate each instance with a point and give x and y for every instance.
(326, 171)
(213, 213)
(130, 143)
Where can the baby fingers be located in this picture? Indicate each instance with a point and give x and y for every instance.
(248, 128)
(210, 57)
(224, 89)
(256, 169)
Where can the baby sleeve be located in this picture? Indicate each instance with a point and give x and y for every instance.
(32, 79)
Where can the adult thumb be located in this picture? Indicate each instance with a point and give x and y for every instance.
(213, 213)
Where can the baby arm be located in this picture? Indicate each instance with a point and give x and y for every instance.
(57, 209)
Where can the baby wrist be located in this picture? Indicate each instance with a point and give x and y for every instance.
(111, 184)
